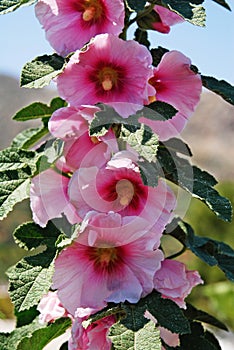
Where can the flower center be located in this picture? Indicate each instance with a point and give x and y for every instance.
(125, 191)
(105, 257)
(108, 78)
(92, 10)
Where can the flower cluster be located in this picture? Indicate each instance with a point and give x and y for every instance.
(115, 255)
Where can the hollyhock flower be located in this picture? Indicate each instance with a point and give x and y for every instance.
(109, 70)
(119, 188)
(71, 125)
(118, 255)
(70, 24)
(49, 199)
(171, 339)
(50, 308)
(175, 282)
(93, 337)
(166, 19)
(175, 83)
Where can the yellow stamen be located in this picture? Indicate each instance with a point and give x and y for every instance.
(152, 99)
(125, 191)
(107, 83)
(89, 13)
(94, 139)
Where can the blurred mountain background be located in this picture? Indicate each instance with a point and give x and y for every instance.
(210, 135)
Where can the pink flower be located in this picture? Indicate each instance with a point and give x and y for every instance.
(71, 125)
(173, 281)
(166, 19)
(93, 337)
(109, 70)
(119, 188)
(175, 83)
(70, 24)
(113, 259)
(49, 199)
(50, 308)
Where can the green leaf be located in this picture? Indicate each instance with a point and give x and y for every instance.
(41, 71)
(161, 111)
(43, 336)
(28, 137)
(194, 314)
(39, 110)
(147, 338)
(220, 87)
(12, 5)
(209, 250)
(10, 341)
(142, 37)
(50, 152)
(191, 12)
(16, 168)
(135, 5)
(195, 181)
(149, 172)
(31, 277)
(223, 3)
(29, 280)
(26, 317)
(167, 313)
(30, 235)
(142, 140)
(177, 146)
(198, 339)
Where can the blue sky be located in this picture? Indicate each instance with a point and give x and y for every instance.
(211, 49)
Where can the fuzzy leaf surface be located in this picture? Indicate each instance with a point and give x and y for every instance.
(40, 71)
(10, 341)
(167, 313)
(142, 140)
(146, 338)
(28, 137)
(16, 168)
(43, 336)
(193, 12)
(31, 277)
(12, 5)
(220, 87)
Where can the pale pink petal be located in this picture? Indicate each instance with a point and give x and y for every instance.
(50, 308)
(48, 198)
(175, 282)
